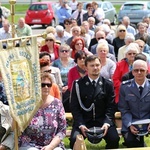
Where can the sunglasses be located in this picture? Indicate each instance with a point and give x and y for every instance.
(62, 51)
(139, 70)
(100, 38)
(90, 8)
(49, 40)
(131, 53)
(122, 30)
(67, 23)
(46, 84)
(47, 71)
(81, 58)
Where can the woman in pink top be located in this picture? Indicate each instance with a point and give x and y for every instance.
(79, 70)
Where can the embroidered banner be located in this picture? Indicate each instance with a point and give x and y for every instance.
(21, 74)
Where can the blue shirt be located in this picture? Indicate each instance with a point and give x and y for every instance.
(63, 13)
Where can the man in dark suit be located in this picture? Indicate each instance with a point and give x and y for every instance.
(93, 105)
(134, 103)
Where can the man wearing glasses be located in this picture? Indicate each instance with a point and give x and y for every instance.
(134, 103)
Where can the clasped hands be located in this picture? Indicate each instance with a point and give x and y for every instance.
(84, 129)
(135, 131)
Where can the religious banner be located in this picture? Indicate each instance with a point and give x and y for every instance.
(21, 75)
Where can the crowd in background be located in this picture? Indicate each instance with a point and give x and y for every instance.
(62, 56)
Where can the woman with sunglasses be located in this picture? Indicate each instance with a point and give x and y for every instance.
(77, 71)
(118, 41)
(124, 66)
(78, 44)
(50, 46)
(48, 126)
(45, 68)
(64, 63)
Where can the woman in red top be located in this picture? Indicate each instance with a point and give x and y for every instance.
(78, 44)
(79, 70)
(51, 47)
(124, 66)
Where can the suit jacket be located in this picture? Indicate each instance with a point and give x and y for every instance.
(111, 49)
(132, 105)
(103, 98)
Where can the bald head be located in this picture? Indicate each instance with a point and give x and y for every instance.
(100, 35)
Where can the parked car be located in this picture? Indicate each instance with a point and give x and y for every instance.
(40, 13)
(135, 10)
(108, 8)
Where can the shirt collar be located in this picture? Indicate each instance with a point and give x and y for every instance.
(140, 85)
(94, 80)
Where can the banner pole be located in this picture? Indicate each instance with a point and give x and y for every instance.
(12, 5)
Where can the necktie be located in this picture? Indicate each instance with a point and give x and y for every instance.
(94, 84)
(140, 89)
(79, 19)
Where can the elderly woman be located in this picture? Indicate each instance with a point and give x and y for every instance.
(64, 63)
(129, 38)
(108, 66)
(124, 66)
(77, 71)
(119, 40)
(48, 126)
(50, 46)
(78, 44)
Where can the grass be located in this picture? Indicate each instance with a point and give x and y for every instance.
(102, 144)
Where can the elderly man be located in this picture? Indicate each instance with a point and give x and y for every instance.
(22, 29)
(91, 21)
(126, 23)
(61, 34)
(134, 103)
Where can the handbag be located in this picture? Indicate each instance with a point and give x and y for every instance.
(95, 134)
(79, 143)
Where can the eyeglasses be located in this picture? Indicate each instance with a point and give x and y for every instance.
(79, 44)
(62, 51)
(49, 40)
(81, 58)
(122, 30)
(47, 71)
(90, 8)
(46, 84)
(131, 53)
(139, 70)
(100, 38)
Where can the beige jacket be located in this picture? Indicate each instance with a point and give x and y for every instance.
(6, 120)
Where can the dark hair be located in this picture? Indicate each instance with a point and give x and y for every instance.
(91, 58)
(44, 62)
(67, 21)
(78, 55)
(88, 5)
(140, 56)
(42, 54)
(79, 3)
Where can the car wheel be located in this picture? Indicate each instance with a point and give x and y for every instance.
(53, 23)
(114, 20)
(43, 25)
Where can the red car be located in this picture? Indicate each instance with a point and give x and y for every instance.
(40, 13)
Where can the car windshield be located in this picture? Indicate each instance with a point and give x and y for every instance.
(38, 7)
(133, 7)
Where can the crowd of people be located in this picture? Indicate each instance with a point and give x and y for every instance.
(89, 69)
